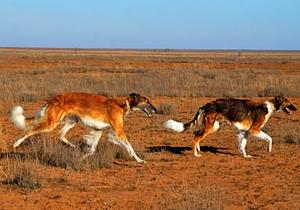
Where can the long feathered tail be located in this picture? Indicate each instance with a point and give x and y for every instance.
(21, 121)
(18, 118)
(179, 127)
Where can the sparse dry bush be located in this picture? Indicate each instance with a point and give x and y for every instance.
(292, 137)
(105, 154)
(23, 175)
(53, 153)
(289, 133)
(49, 152)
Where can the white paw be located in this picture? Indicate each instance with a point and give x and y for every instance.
(270, 149)
(197, 154)
(16, 144)
(247, 156)
(141, 161)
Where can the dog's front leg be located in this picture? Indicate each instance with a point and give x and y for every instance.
(121, 140)
(262, 135)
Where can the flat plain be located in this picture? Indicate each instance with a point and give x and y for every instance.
(45, 174)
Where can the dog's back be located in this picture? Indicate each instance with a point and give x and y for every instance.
(235, 110)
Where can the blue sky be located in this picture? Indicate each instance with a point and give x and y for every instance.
(174, 24)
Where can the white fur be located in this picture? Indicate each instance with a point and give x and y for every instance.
(271, 110)
(197, 151)
(93, 123)
(17, 117)
(242, 143)
(113, 139)
(266, 137)
(92, 140)
(174, 125)
(240, 126)
(41, 112)
(68, 125)
(216, 125)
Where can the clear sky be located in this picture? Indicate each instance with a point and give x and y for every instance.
(179, 24)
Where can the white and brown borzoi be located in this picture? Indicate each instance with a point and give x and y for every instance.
(95, 112)
(247, 116)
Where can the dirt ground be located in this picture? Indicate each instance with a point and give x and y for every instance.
(172, 178)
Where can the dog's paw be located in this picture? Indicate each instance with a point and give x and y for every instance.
(197, 154)
(16, 144)
(270, 149)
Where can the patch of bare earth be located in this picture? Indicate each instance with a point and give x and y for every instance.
(171, 179)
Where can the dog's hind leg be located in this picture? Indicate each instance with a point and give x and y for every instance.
(48, 125)
(19, 141)
(92, 140)
(41, 128)
(199, 136)
(68, 125)
(209, 126)
(243, 142)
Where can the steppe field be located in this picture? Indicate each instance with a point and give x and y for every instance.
(43, 173)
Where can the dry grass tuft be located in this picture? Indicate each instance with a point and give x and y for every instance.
(292, 138)
(3, 143)
(288, 133)
(54, 153)
(24, 175)
(105, 155)
(41, 74)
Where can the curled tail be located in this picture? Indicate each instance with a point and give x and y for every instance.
(180, 126)
(18, 118)
(21, 121)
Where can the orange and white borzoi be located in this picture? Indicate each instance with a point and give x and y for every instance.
(247, 116)
(95, 112)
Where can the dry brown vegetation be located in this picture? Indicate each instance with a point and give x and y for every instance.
(30, 75)
(45, 174)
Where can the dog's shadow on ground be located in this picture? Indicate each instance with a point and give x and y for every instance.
(181, 150)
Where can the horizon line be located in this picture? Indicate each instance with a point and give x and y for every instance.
(152, 49)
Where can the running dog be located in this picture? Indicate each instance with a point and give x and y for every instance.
(247, 116)
(94, 112)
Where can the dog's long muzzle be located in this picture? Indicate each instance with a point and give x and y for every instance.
(289, 108)
(149, 110)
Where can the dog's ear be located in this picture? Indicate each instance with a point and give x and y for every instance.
(278, 98)
(134, 98)
(278, 101)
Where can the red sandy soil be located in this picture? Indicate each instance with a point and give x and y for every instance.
(173, 178)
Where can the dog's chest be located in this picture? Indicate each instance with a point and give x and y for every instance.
(270, 108)
(94, 123)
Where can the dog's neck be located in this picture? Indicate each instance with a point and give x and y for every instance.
(270, 106)
(128, 108)
(124, 104)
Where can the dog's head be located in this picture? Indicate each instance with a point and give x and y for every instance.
(138, 102)
(282, 103)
